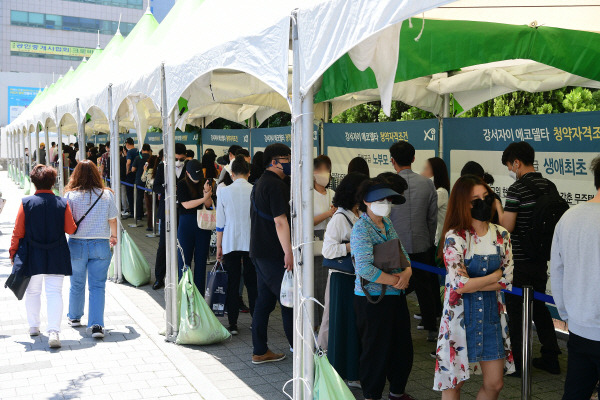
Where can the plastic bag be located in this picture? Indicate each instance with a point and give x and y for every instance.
(197, 323)
(286, 296)
(216, 289)
(328, 383)
(136, 270)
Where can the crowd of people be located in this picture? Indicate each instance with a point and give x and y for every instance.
(368, 232)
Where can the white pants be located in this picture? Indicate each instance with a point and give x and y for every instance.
(54, 299)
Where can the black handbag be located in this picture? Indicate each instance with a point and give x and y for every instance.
(344, 263)
(19, 278)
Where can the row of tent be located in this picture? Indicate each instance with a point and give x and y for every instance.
(232, 59)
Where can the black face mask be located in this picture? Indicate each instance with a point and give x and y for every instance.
(482, 209)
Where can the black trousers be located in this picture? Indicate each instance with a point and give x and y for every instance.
(139, 205)
(583, 368)
(536, 275)
(427, 287)
(232, 262)
(130, 178)
(160, 266)
(387, 350)
(269, 274)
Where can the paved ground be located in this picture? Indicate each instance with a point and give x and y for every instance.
(133, 361)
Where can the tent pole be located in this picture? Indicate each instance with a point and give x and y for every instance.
(22, 160)
(14, 156)
(80, 133)
(9, 153)
(115, 183)
(30, 144)
(298, 386)
(445, 115)
(48, 147)
(61, 173)
(37, 144)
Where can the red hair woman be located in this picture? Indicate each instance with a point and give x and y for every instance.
(478, 258)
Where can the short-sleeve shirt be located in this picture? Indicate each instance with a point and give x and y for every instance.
(138, 164)
(521, 200)
(95, 225)
(270, 198)
(132, 154)
(184, 194)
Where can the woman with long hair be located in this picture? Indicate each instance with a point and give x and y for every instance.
(193, 193)
(436, 170)
(256, 168)
(94, 206)
(479, 263)
(40, 227)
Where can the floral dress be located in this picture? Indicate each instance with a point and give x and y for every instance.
(452, 361)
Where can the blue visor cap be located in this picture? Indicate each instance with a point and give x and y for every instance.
(381, 192)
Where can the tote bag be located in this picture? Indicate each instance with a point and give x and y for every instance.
(207, 219)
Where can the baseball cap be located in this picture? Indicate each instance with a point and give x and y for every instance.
(194, 168)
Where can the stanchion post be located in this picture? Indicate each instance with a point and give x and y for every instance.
(153, 216)
(134, 205)
(526, 345)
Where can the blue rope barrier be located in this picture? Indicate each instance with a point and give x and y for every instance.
(129, 184)
(517, 291)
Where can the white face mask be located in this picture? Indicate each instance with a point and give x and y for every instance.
(178, 164)
(513, 174)
(322, 178)
(381, 208)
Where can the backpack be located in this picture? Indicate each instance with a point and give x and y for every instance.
(549, 208)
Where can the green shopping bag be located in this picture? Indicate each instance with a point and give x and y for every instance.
(27, 186)
(135, 267)
(197, 323)
(328, 383)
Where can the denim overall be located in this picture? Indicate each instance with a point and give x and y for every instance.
(482, 319)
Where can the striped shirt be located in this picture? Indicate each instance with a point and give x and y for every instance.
(95, 225)
(521, 200)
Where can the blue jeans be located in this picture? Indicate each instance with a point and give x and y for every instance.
(195, 243)
(89, 257)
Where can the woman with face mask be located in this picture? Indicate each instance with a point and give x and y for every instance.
(479, 263)
(323, 211)
(384, 326)
(193, 193)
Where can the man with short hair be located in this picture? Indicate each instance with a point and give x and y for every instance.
(516, 217)
(415, 221)
(160, 265)
(138, 168)
(270, 248)
(42, 151)
(231, 153)
(575, 268)
(189, 155)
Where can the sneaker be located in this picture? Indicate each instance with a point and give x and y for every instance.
(243, 307)
(354, 384)
(401, 397)
(233, 329)
(34, 331)
(149, 229)
(53, 340)
(417, 316)
(432, 336)
(548, 365)
(433, 354)
(420, 327)
(97, 332)
(74, 322)
(268, 357)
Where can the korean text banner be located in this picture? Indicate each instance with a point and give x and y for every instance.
(220, 139)
(155, 140)
(18, 99)
(262, 137)
(564, 144)
(372, 141)
(40, 48)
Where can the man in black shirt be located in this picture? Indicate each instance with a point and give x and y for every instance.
(516, 217)
(160, 266)
(137, 168)
(270, 247)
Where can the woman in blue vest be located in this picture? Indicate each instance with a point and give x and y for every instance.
(42, 221)
(90, 245)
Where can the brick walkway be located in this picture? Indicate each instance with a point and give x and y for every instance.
(133, 361)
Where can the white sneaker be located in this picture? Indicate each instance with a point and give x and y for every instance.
(34, 331)
(53, 340)
(354, 384)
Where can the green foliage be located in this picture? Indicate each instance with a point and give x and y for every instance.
(580, 99)
(276, 120)
(372, 112)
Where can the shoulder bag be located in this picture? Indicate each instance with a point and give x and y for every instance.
(342, 264)
(207, 219)
(19, 278)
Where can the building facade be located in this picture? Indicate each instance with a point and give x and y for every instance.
(41, 39)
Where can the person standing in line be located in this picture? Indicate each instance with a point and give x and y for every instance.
(436, 170)
(343, 342)
(359, 164)
(94, 206)
(574, 267)
(137, 168)
(148, 180)
(160, 265)
(271, 248)
(125, 209)
(104, 163)
(517, 218)
(233, 239)
(42, 151)
(478, 259)
(416, 223)
(231, 154)
(52, 152)
(193, 193)
(383, 325)
(42, 221)
(129, 177)
(26, 161)
(323, 210)
(257, 168)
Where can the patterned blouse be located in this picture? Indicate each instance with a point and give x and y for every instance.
(452, 361)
